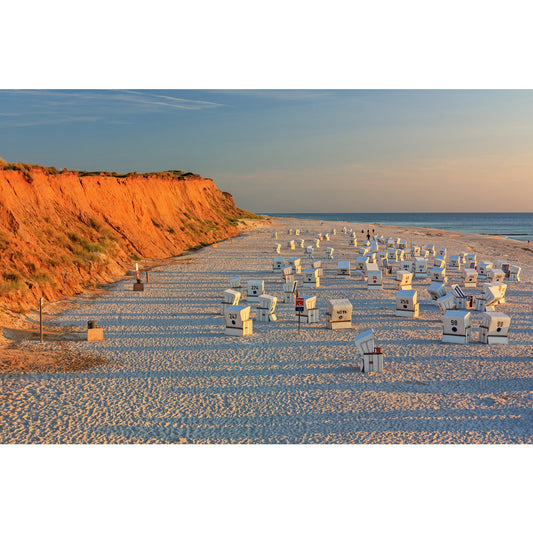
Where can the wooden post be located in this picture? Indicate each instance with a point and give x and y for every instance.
(296, 295)
(147, 277)
(41, 319)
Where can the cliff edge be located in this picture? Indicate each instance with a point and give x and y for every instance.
(64, 231)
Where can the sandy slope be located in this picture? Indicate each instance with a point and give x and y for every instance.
(174, 377)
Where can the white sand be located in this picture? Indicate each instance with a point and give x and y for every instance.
(176, 378)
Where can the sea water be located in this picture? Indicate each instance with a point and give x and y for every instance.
(518, 226)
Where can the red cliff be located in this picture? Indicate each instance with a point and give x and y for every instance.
(61, 232)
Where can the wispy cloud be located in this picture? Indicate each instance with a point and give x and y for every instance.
(52, 120)
(47, 107)
(164, 100)
(278, 94)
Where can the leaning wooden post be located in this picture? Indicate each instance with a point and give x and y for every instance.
(299, 307)
(41, 318)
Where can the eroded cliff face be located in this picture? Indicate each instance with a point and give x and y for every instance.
(61, 232)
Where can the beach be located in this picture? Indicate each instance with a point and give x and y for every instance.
(173, 376)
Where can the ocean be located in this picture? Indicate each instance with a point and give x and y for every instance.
(518, 226)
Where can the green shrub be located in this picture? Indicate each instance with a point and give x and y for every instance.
(95, 248)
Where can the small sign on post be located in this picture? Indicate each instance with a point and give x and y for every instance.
(299, 308)
(41, 301)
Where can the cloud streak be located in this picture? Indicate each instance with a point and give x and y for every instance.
(47, 107)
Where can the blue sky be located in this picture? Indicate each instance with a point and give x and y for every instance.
(293, 150)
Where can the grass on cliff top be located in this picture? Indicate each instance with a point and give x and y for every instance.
(25, 168)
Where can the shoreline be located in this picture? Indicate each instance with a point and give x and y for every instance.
(428, 227)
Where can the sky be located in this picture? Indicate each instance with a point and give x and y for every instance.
(294, 150)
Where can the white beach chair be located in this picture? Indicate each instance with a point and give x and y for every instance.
(235, 282)
(407, 303)
(496, 274)
(266, 307)
(456, 327)
(277, 264)
(438, 274)
(318, 266)
(494, 328)
(371, 356)
(421, 269)
(462, 301)
(255, 288)
(229, 297)
(343, 269)
(446, 303)
(311, 278)
(339, 315)
(310, 313)
(514, 274)
(289, 292)
(374, 276)
(238, 321)
(469, 277)
(484, 268)
(403, 280)
(287, 273)
(296, 264)
(436, 290)
(455, 262)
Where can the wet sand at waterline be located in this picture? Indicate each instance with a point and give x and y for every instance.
(172, 376)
